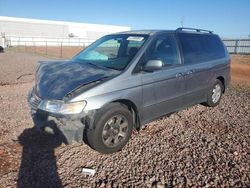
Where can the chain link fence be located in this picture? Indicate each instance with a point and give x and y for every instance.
(237, 46)
(68, 47)
(57, 47)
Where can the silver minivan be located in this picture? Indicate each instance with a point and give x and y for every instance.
(125, 80)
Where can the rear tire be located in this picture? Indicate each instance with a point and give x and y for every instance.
(113, 127)
(214, 94)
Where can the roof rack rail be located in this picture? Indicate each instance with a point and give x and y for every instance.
(194, 29)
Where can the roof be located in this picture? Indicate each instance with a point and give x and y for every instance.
(179, 30)
(145, 32)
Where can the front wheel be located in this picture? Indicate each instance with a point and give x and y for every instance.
(113, 128)
(214, 94)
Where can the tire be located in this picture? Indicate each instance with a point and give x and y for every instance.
(113, 127)
(213, 99)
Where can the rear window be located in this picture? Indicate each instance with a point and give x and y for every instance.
(201, 47)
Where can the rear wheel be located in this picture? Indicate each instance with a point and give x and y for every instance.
(113, 128)
(214, 94)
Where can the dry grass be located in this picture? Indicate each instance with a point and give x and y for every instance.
(240, 69)
(51, 51)
(240, 59)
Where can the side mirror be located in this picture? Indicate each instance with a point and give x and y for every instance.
(153, 65)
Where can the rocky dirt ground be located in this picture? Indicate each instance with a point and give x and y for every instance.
(197, 147)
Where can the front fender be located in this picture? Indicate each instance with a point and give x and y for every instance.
(133, 94)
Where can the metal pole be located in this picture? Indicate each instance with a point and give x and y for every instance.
(61, 50)
(46, 50)
(34, 47)
(19, 45)
(236, 46)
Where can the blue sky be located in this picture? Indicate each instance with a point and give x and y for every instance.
(229, 18)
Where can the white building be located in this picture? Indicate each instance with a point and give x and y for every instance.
(20, 30)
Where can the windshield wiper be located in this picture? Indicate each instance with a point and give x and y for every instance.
(114, 68)
(94, 64)
(100, 66)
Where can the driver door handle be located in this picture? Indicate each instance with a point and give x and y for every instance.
(190, 72)
(179, 75)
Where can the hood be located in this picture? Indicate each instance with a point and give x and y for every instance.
(54, 80)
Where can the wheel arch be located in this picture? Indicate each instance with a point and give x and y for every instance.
(222, 79)
(133, 109)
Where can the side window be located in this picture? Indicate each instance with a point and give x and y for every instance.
(213, 47)
(109, 48)
(200, 47)
(133, 47)
(164, 48)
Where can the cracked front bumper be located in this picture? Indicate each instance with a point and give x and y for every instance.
(68, 128)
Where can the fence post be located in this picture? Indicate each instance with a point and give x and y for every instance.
(236, 46)
(19, 45)
(61, 49)
(34, 47)
(46, 46)
(8, 42)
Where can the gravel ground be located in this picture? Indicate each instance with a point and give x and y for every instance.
(17, 67)
(199, 146)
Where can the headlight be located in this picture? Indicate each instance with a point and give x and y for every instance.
(60, 107)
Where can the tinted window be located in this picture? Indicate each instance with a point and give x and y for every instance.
(201, 47)
(165, 49)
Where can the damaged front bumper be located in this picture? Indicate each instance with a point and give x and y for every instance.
(68, 127)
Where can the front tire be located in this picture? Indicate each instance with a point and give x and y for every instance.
(214, 94)
(112, 130)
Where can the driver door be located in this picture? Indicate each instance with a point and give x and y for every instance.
(164, 89)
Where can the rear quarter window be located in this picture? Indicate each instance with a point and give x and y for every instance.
(199, 48)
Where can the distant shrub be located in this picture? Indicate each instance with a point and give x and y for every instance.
(1, 49)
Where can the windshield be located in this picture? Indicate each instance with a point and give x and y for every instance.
(112, 51)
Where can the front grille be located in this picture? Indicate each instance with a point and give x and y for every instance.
(34, 101)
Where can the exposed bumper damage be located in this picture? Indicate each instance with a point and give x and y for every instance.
(68, 128)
